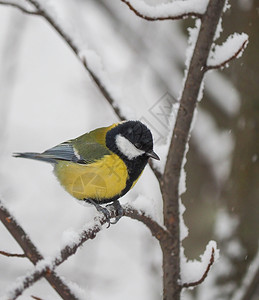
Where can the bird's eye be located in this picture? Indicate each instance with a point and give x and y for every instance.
(137, 145)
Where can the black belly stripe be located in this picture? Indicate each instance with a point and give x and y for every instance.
(135, 166)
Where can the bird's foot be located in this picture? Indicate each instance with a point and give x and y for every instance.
(103, 210)
(119, 211)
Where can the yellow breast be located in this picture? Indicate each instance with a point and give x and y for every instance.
(100, 180)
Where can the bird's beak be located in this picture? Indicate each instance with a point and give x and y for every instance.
(152, 154)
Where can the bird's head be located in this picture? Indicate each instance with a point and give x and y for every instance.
(131, 139)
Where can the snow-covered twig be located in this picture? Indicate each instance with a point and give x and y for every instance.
(32, 252)
(172, 11)
(205, 274)
(46, 267)
(40, 11)
(20, 7)
(74, 47)
(103, 89)
(223, 63)
(12, 254)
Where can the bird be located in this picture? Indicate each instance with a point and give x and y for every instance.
(101, 166)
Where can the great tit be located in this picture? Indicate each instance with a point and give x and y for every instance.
(102, 165)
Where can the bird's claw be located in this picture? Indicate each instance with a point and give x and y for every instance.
(116, 205)
(103, 210)
(119, 211)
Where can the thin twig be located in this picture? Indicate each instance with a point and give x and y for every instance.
(103, 90)
(178, 17)
(24, 10)
(90, 233)
(12, 254)
(64, 254)
(235, 55)
(205, 274)
(76, 50)
(43, 13)
(155, 171)
(32, 252)
(36, 298)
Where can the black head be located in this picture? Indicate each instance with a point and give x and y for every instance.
(132, 139)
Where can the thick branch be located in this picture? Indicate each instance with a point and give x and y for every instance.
(205, 274)
(149, 18)
(171, 177)
(225, 62)
(32, 252)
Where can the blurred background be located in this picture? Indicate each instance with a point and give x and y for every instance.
(47, 97)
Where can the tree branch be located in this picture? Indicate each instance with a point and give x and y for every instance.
(32, 252)
(222, 64)
(21, 8)
(76, 50)
(12, 254)
(40, 11)
(44, 268)
(171, 178)
(205, 274)
(157, 231)
(148, 18)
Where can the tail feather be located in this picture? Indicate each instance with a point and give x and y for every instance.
(36, 156)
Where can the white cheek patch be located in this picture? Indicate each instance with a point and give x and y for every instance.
(127, 148)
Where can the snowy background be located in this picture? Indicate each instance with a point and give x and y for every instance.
(47, 97)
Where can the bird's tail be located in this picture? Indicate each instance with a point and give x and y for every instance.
(36, 156)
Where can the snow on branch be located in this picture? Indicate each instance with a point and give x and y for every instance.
(205, 274)
(74, 240)
(41, 11)
(31, 251)
(193, 269)
(232, 48)
(168, 11)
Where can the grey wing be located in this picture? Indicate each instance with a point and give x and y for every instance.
(64, 151)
